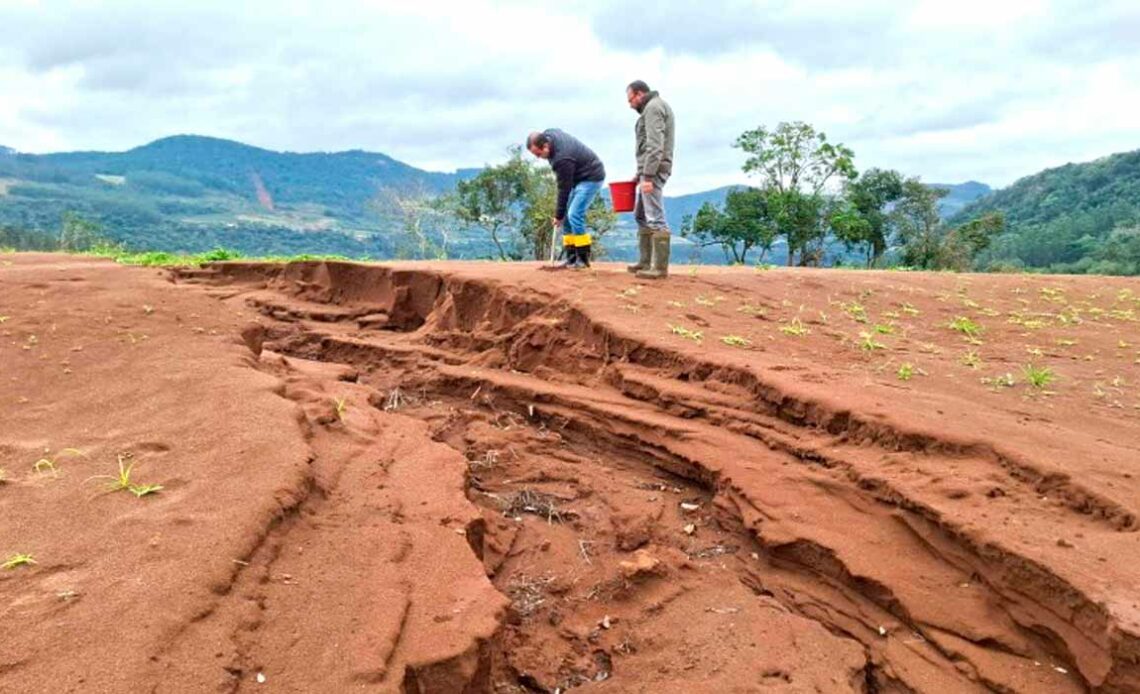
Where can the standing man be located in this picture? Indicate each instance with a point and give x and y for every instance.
(654, 131)
(580, 174)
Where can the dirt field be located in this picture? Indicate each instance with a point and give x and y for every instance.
(469, 477)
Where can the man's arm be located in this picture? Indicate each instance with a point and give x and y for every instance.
(564, 173)
(654, 142)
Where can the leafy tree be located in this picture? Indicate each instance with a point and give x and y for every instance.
(931, 244)
(1120, 254)
(494, 201)
(865, 218)
(78, 234)
(745, 223)
(796, 162)
(919, 225)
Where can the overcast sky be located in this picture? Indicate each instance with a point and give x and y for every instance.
(949, 91)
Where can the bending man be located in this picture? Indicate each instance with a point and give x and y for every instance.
(580, 174)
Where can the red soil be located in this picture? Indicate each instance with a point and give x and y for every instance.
(481, 477)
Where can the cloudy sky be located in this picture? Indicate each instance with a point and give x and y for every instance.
(949, 91)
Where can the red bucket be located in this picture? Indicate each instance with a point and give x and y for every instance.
(622, 195)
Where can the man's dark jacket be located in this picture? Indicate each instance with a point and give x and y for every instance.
(573, 162)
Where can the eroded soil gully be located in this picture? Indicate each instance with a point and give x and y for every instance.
(605, 437)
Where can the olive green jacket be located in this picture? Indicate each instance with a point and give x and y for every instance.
(654, 132)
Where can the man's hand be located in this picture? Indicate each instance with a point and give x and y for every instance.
(556, 222)
(647, 187)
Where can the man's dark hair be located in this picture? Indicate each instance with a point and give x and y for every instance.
(537, 140)
(638, 86)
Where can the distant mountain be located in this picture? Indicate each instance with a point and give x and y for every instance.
(960, 195)
(1062, 218)
(188, 192)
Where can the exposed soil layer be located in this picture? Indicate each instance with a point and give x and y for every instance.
(483, 477)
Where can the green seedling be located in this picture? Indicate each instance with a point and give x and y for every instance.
(734, 341)
(764, 267)
(694, 335)
(966, 326)
(868, 343)
(906, 371)
(704, 301)
(857, 312)
(893, 315)
(910, 310)
(17, 560)
(341, 406)
(675, 304)
(751, 310)
(796, 328)
(122, 481)
(1038, 377)
(885, 329)
(51, 463)
(971, 359)
(1065, 343)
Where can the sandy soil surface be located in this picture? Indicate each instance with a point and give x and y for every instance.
(490, 478)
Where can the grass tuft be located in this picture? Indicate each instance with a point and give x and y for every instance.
(122, 481)
(17, 560)
(1038, 377)
(966, 326)
(796, 328)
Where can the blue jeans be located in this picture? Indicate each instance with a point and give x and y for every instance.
(580, 198)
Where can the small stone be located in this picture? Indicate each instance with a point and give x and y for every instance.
(1062, 542)
(605, 622)
(1061, 670)
(689, 508)
(261, 678)
(882, 631)
(689, 529)
(643, 564)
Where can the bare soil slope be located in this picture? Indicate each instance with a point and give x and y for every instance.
(484, 477)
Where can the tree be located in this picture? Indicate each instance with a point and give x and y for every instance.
(494, 201)
(919, 225)
(796, 163)
(865, 219)
(744, 223)
(1120, 254)
(515, 202)
(427, 224)
(931, 244)
(78, 234)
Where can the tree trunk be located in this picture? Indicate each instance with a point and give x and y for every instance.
(495, 238)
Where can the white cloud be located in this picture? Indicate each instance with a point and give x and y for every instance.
(949, 91)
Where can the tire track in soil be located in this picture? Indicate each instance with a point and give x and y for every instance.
(615, 585)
